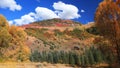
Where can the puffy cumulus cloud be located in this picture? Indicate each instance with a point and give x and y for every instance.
(45, 13)
(25, 19)
(66, 11)
(11, 4)
(62, 10)
(40, 13)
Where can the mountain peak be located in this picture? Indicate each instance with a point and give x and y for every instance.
(56, 22)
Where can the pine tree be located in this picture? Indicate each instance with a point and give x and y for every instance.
(50, 58)
(71, 59)
(91, 57)
(82, 60)
(77, 59)
(98, 56)
(55, 57)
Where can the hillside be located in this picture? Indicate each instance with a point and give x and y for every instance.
(48, 40)
(52, 24)
(57, 34)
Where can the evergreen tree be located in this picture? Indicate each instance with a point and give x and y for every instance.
(77, 59)
(82, 60)
(91, 57)
(50, 56)
(55, 57)
(71, 59)
(86, 60)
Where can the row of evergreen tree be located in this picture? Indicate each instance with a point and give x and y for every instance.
(90, 57)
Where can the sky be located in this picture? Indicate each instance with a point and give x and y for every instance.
(21, 12)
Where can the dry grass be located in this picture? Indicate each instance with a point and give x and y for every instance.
(32, 65)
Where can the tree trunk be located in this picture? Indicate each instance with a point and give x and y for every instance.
(118, 51)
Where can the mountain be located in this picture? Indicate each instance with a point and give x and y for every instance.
(57, 34)
(66, 42)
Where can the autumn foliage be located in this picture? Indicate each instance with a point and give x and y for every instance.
(12, 42)
(107, 18)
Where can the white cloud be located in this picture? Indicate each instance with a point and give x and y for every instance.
(66, 11)
(41, 13)
(26, 19)
(11, 4)
(82, 11)
(45, 13)
(62, 10)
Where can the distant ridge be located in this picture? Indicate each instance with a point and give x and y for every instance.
(56, 22)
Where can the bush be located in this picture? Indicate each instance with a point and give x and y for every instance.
(92, 30)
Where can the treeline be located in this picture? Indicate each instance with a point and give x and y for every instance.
(90, 57)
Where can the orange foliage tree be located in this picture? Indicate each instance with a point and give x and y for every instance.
(118, 1)
(107, 19)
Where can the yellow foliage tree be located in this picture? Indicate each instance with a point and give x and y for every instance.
(3, 22)
(5, 38)
(19, 38)
(12, 42)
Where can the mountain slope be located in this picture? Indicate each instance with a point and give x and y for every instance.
(74, 44)
(57, 34)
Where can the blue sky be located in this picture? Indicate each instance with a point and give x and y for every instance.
(20, 12)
